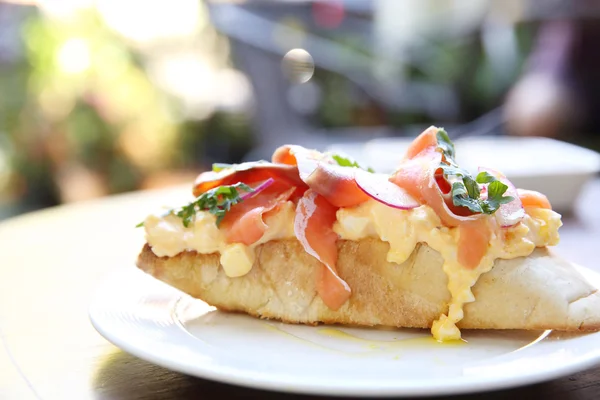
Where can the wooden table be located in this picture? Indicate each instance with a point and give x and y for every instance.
(51, 261)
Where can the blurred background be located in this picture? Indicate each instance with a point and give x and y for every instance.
(103, 97)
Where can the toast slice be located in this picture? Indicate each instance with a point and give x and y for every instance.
(541, 291)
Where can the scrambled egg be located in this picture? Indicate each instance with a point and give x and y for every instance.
(168, 237)
(402, 229)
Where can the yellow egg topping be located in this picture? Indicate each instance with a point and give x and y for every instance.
(167, 236)
(402, 229)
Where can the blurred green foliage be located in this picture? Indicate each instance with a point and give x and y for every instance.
(460, 64)
(80, 117)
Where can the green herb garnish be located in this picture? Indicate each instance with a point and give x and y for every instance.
(217, 201)
(347, 162)
(495, 198)
(465, 190)
(445, 144)
(216, 167)
(460, 197)
(485, 177)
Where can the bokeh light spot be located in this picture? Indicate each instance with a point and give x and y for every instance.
(74, 56)
(328, 14)
(298, 65)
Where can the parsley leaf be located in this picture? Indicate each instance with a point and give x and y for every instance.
(460, 197)
(485, 177)
(216, 167)
(496, 189)
(347, 162)
(217, 201)
(465, 190)
(452, 170)
(445, 144)
(473, 189)
(469, 185)
(496, 197)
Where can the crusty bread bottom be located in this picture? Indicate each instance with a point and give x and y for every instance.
(541, 291)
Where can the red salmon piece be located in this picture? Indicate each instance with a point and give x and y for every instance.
(420, 175)
(425, 140)
(313, 226)
(250, 173)
(322, 174)
(244, 223)
(473, 240)
(531, 198)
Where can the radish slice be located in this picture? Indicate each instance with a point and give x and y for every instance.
(378, 187)
(512, 213)
(258, 189)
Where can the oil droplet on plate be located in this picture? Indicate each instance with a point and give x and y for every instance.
(424, 341)
(338, 334)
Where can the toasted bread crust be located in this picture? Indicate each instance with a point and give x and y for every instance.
(541, 291)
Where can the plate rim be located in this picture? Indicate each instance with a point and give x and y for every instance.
(261, 380)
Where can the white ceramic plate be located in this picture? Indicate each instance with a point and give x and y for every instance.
(160, 324)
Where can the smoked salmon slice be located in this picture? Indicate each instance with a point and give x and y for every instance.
(250, 173)
(426, 140)
(244, 223)
(337, 184)
(419, 175)
(313, 226)
(291, 154)
(473, 240)
(531, 198)
(322, 174)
